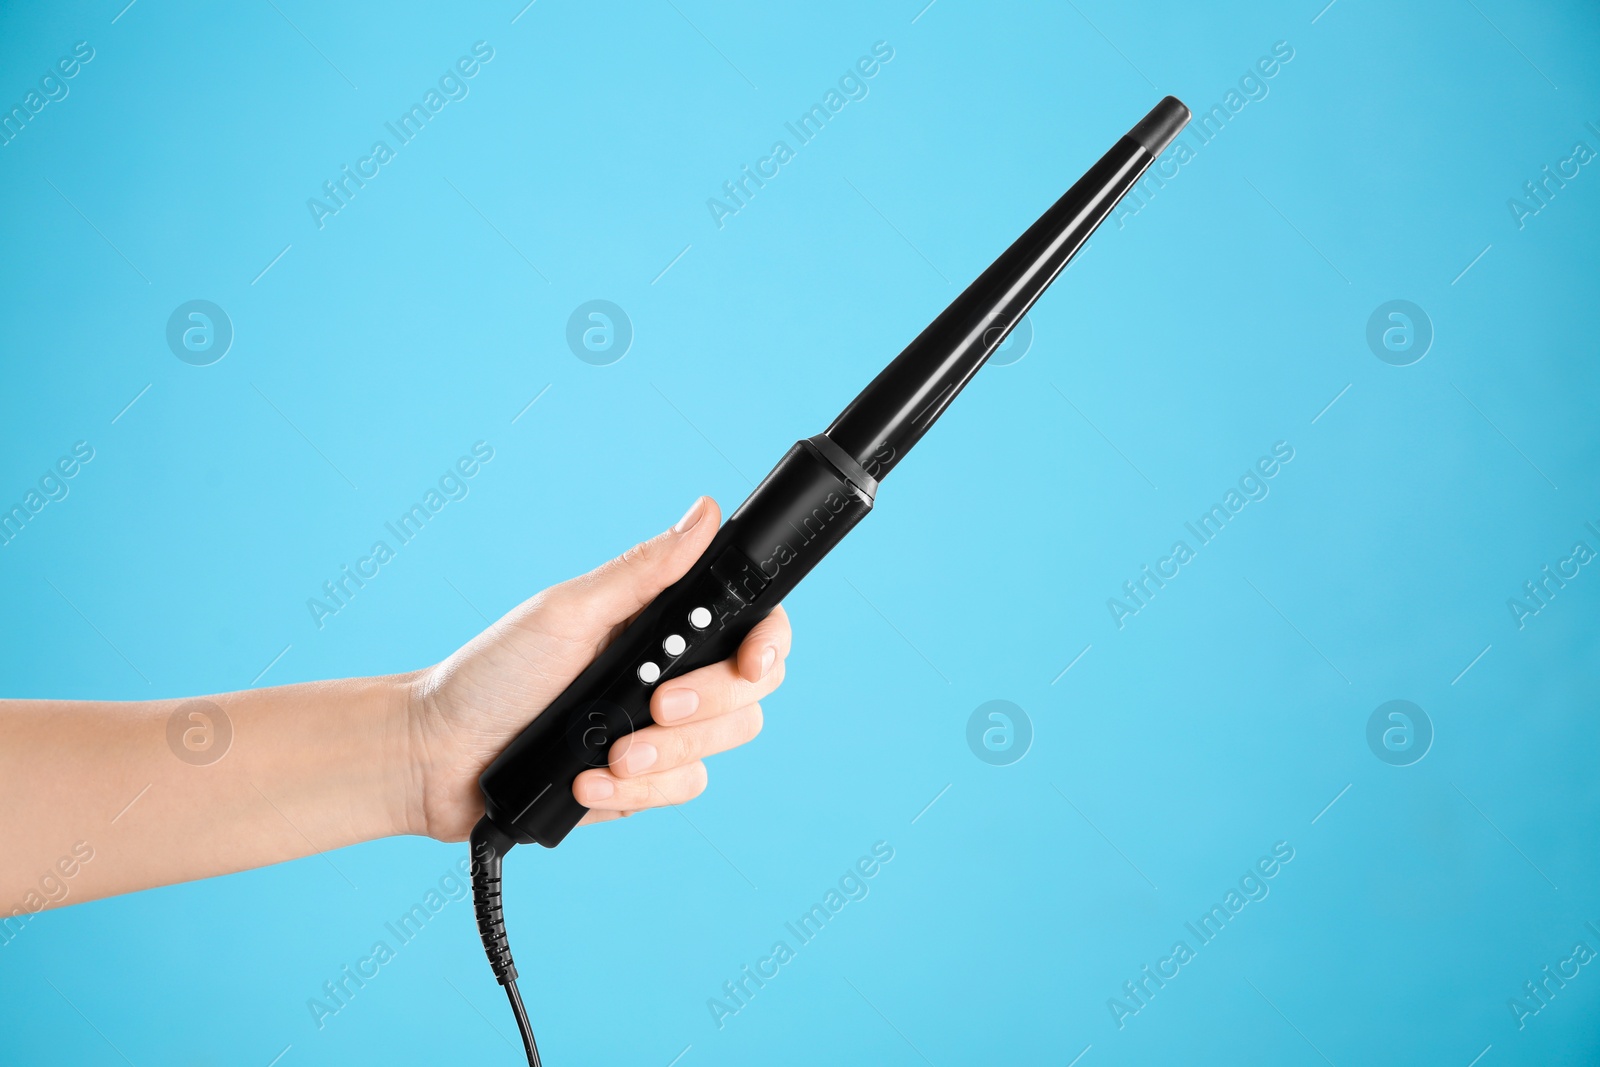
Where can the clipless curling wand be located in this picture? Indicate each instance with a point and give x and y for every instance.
(816, 494)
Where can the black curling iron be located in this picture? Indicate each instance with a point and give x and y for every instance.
(816, 494)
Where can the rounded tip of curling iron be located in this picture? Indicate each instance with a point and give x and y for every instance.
(1156, 130)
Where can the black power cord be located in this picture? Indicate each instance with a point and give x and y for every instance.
(489, 846)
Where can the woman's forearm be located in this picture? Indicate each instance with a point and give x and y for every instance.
(98, 797)
(123, 796)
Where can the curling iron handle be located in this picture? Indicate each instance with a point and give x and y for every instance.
(798, 512)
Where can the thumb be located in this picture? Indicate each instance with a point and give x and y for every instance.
(612, 593)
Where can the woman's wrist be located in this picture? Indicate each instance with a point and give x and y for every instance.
(405, 746)
(429, 793)
(336, 757)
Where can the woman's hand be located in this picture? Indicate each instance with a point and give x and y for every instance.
(314, 766)
(465, 710)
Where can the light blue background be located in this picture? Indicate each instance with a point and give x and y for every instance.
(1222, 318)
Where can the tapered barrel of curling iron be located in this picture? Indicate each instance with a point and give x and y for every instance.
(896, 409)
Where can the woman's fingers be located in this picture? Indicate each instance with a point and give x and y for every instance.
(700, 714)
(764, 646)
(591, 606)
(722, 687)
(656, 748)
(602, 791)
(710, 692)
(663, 765)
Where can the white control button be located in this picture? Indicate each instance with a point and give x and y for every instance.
(700, 618)
(674, 645)
(649, 672)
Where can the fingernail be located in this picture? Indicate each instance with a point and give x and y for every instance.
(640, 755)
(768, 658)
(678, 704)
(598, 788)
(690, 517)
